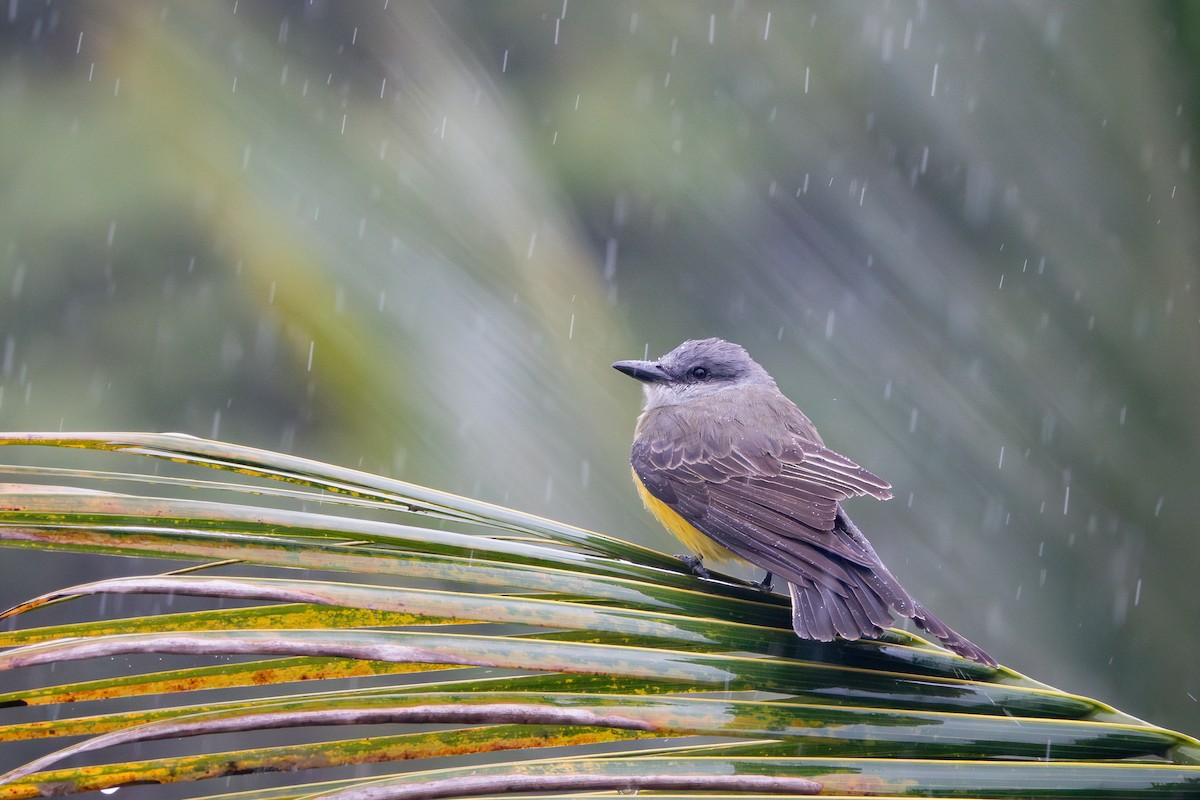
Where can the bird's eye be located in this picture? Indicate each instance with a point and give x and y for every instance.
(699, 373)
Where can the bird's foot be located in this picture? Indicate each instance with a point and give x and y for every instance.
(765, 584)
(695, 564)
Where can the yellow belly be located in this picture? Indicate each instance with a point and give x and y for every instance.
(681, 529)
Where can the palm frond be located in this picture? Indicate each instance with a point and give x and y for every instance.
(583, 662)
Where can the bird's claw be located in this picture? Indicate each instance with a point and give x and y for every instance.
(765, 584)
(696, 565)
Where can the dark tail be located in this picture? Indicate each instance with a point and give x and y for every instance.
(951, 639)
(904, 603)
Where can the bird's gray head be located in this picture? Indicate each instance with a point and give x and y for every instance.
(695, 369)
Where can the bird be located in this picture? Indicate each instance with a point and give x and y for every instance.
(736, 471)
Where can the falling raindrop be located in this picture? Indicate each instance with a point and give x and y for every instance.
(10, 349)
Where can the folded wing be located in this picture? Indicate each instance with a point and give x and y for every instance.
(775, 503)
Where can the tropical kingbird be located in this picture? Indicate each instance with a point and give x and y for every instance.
(735, 470)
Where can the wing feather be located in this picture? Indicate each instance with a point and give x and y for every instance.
(775, 503)
(774, 499)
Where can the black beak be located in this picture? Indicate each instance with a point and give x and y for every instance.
(644, 371)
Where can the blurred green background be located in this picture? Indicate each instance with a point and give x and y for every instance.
(412, 237)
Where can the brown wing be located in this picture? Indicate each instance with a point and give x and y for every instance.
(773, 501)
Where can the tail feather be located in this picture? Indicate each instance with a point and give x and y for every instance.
(820, 614)
(825, 616)
(810, 620)
(844, 622)
(863, 609)
(951, 639)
